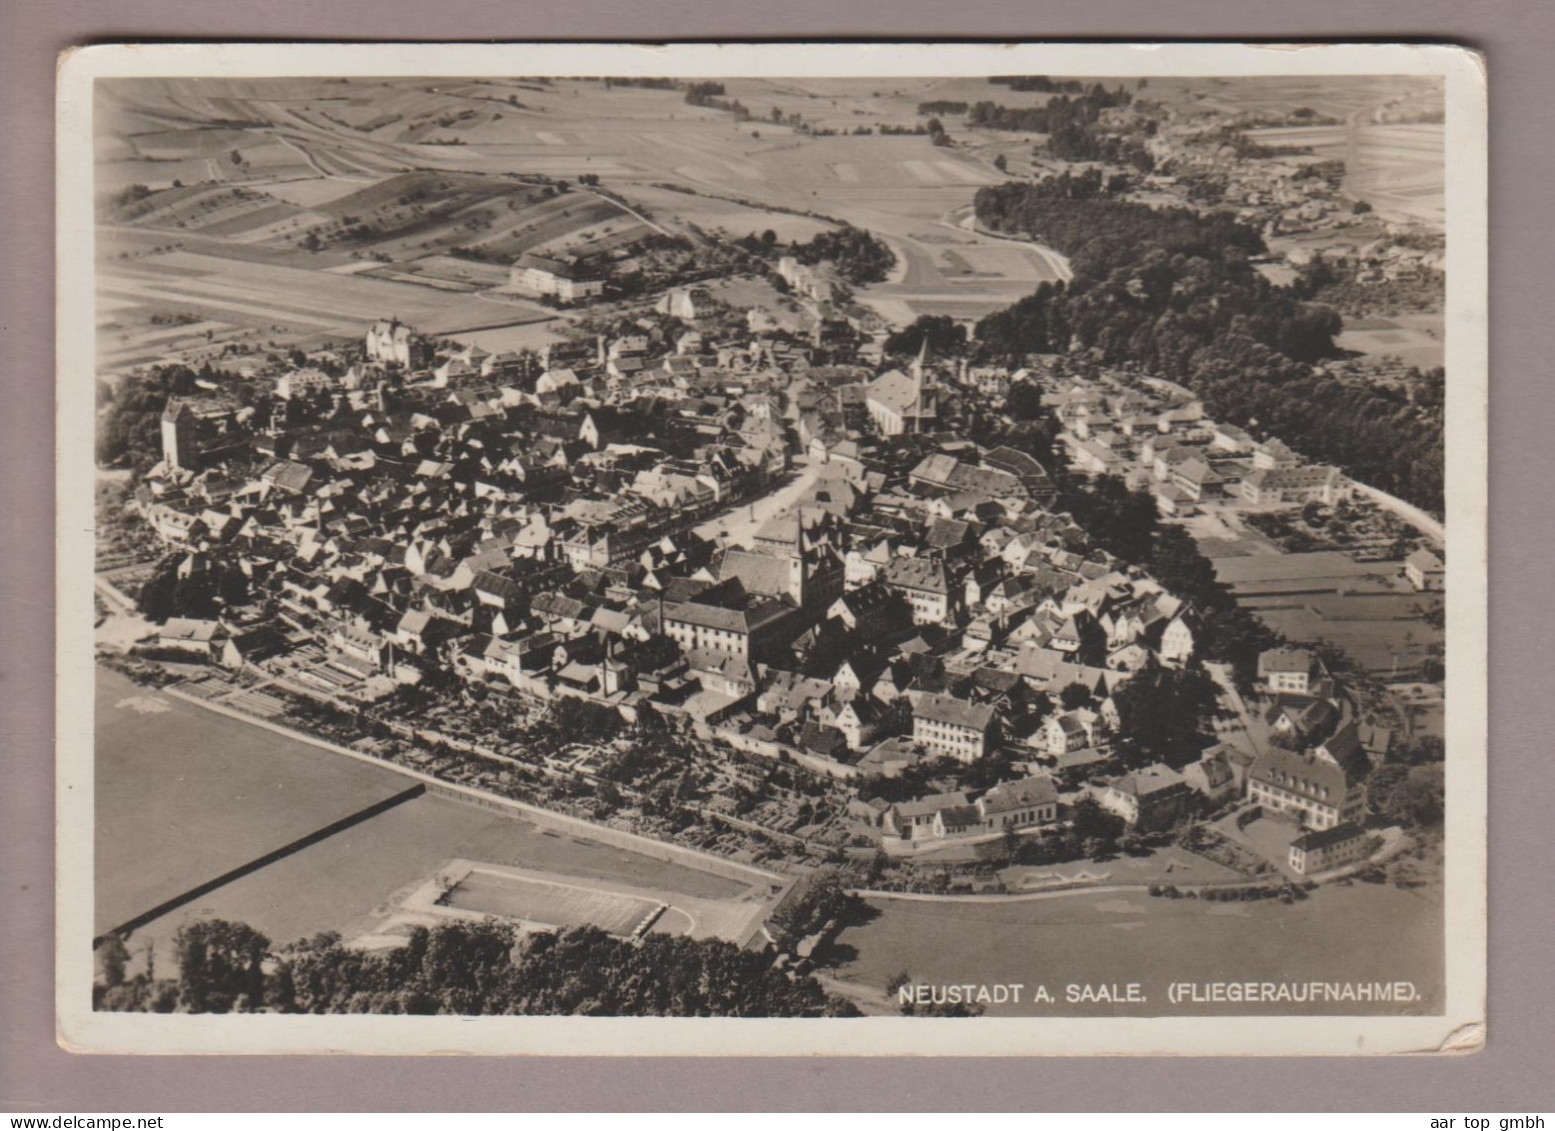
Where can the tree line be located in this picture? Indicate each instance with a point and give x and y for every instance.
(1072, 125)
(1175, 292)
(476, 968)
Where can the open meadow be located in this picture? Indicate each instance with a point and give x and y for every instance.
(184, 794)
(1359, 933)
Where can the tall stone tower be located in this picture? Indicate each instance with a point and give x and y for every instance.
(180, 446)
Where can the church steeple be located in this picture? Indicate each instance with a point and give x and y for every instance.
(919, 364)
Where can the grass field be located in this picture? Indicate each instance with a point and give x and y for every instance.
(1416, 339)
(1359, 933)
(183, 795)
(303, 302)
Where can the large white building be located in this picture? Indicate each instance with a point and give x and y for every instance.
(391, 342)
(566, 278)
(805, 280)
(953, 727)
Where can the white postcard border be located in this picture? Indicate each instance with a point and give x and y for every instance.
(1459, 1028)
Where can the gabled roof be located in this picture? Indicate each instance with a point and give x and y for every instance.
(954, 712)
(1012, 795)
(1310, 777)
(1151, 780)
(1327, 838)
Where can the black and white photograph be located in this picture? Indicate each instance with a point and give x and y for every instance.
(932, 548)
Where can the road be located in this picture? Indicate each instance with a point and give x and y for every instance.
(1221, 673)
(740, 524)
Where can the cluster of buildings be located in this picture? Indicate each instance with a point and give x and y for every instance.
(1157, 435)
(534, 522)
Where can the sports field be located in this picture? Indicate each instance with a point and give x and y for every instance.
(550, 904)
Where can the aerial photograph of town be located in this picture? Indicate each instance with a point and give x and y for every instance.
(752, 547)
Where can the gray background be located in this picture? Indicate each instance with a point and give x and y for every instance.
(1513, 1073)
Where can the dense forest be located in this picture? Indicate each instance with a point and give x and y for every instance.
(1175, 292)
(464, 969)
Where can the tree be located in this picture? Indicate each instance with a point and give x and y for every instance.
(1010, 842)
(1001, 163)
(237, 158)
(113, 957)
(943, 333)
(1075, 695)
(1164, 716)
(220, 966)
(1088, 822)
(156, 597)
(1413, 796)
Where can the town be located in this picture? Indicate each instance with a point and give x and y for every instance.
(789, 560)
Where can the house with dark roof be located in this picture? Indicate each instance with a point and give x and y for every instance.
(728, 618)
(1214, 776)
(914, 820)
(1020, 804)
(1325, 849)
(1152, 798)
(924, 584)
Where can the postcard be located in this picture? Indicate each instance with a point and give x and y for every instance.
(780, 549)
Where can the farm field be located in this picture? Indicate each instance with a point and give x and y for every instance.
(349, 134)
(712, 214)
(309, 305)
(1415, 339)
(1360, 933)
(1323, 570)
(1365, 608)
